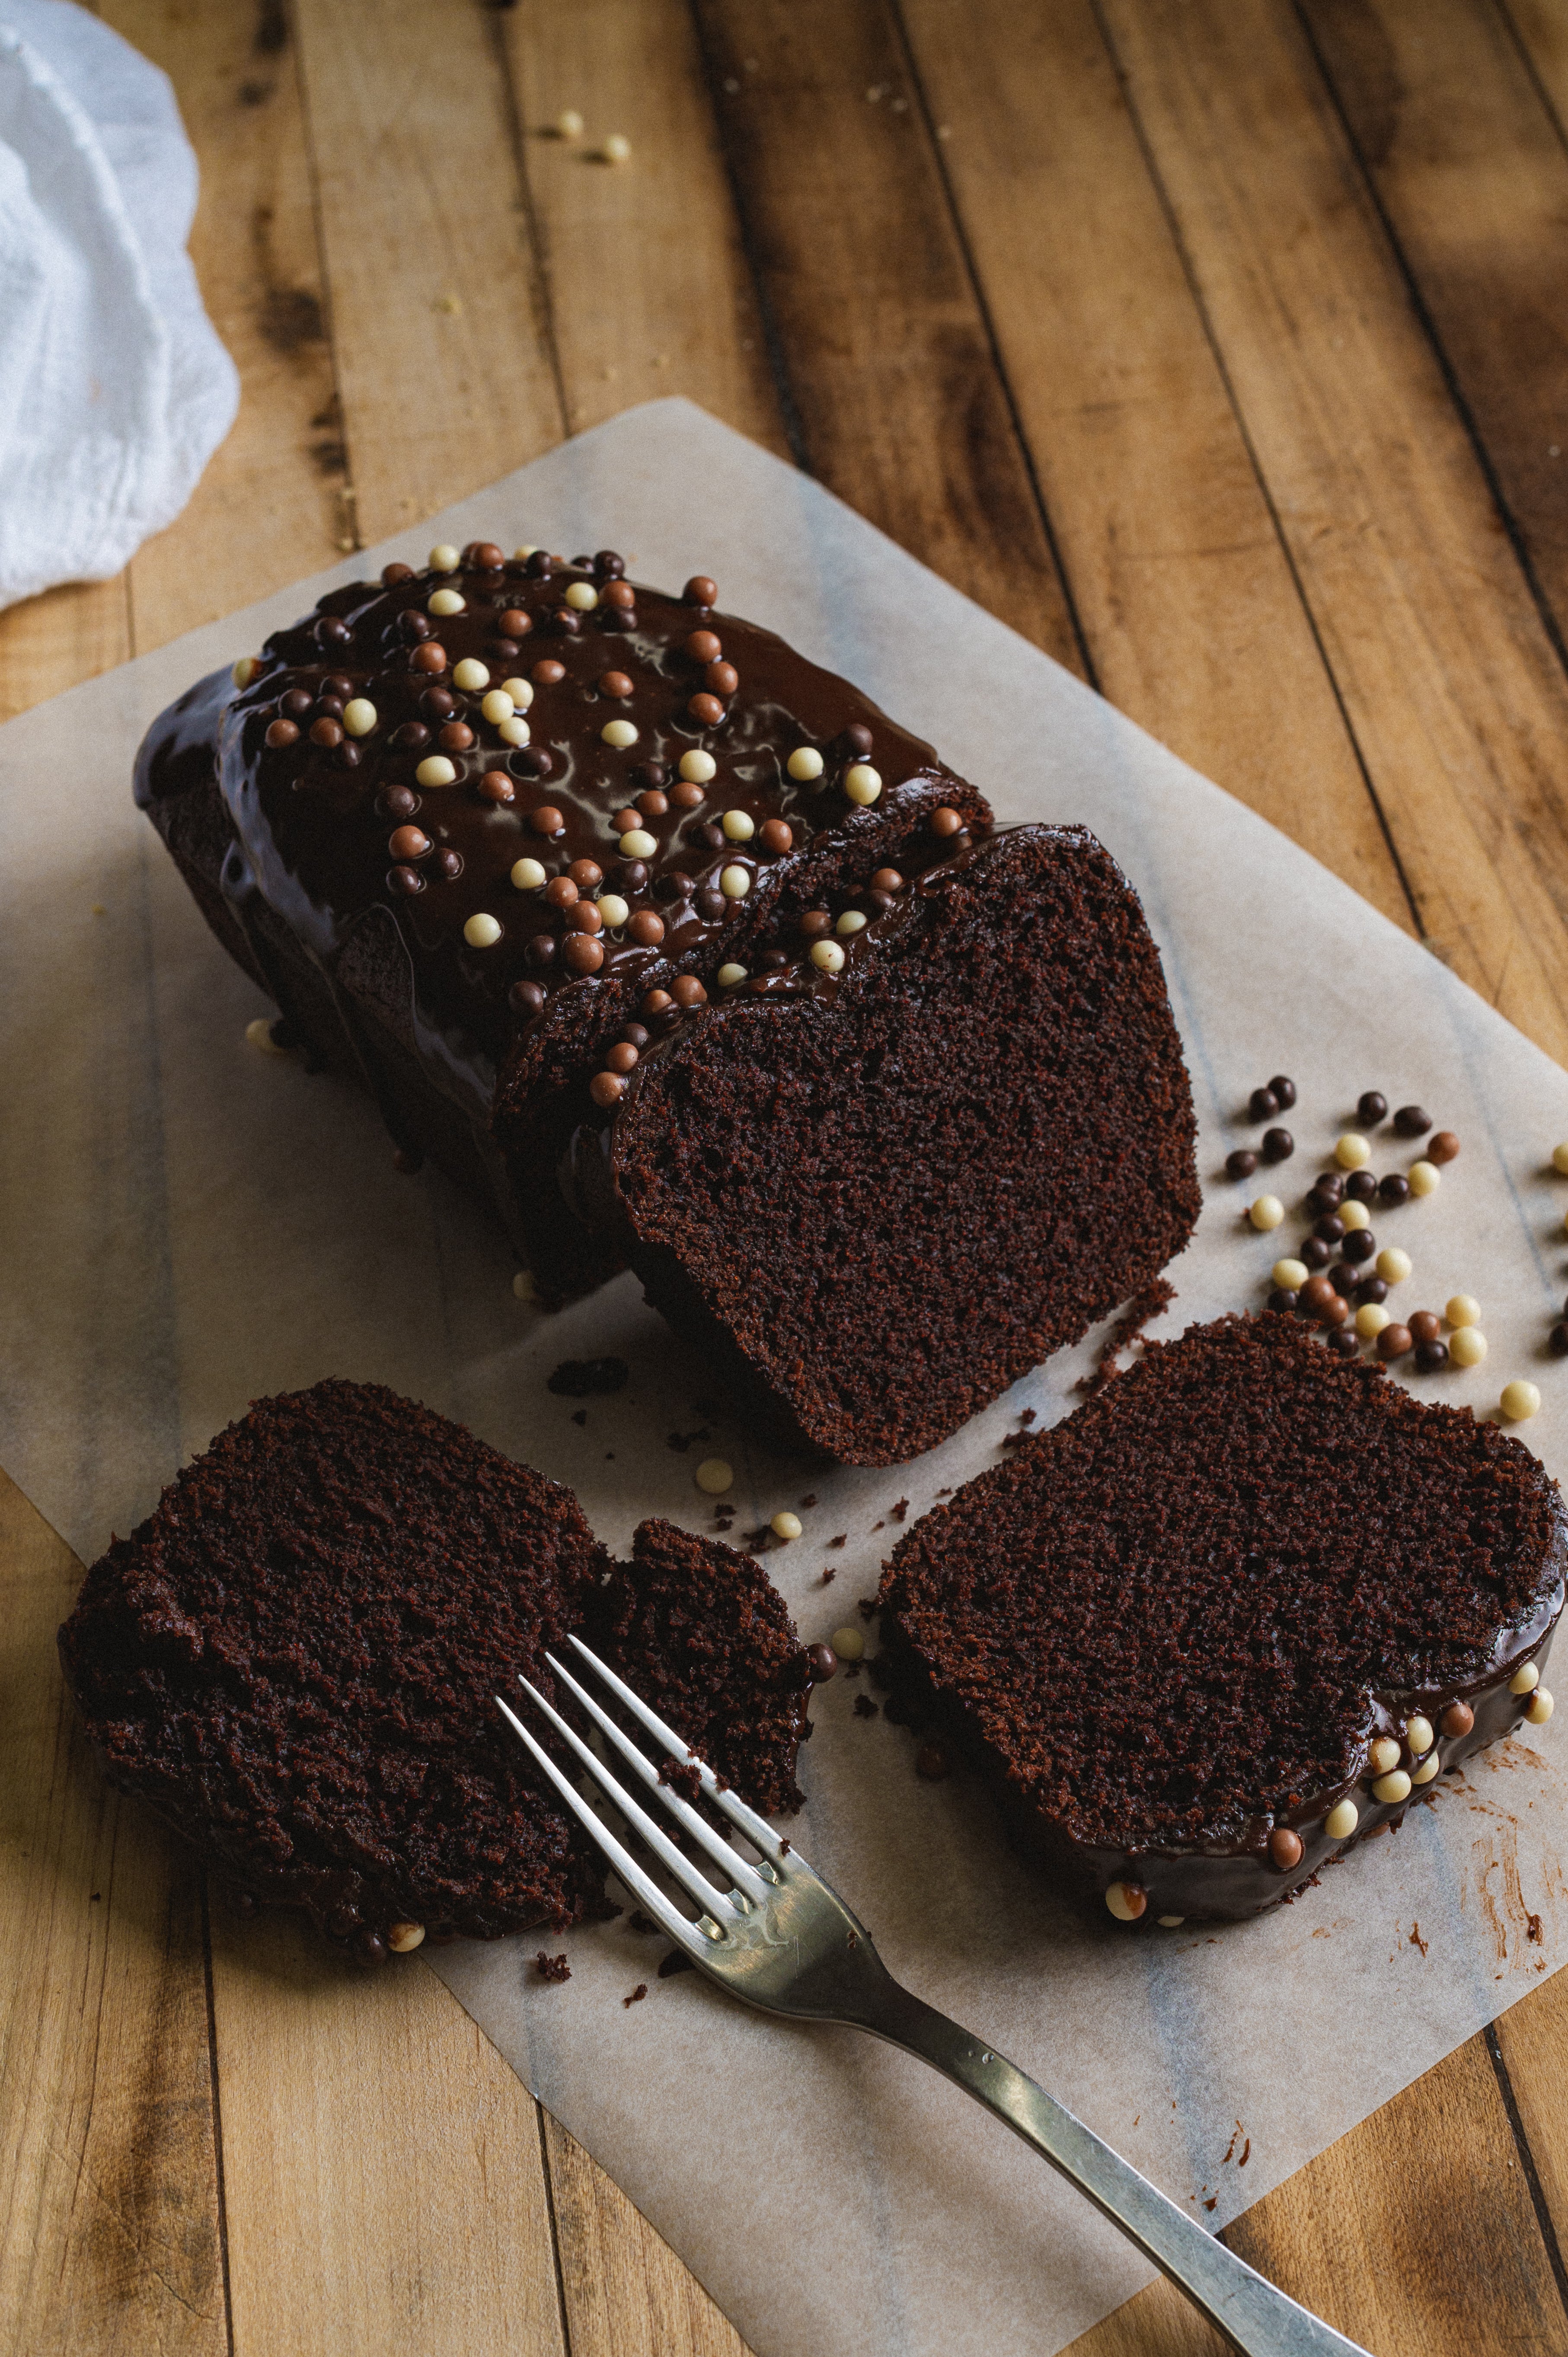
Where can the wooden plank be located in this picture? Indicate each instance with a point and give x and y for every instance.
(442, 353)
(896, 400)
(48, 643)
(1458, 702)
(1532, 2039)
(624, 2287)
(1185, 593)
(382, 2171)
(110, 2236)
(271, 505)
(1471, 174)
(1155, 2322)
(647, 290)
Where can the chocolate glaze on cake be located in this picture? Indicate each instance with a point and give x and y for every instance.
(292, 797)
(294, 1660)
(939, 1130)
(1170, 1631)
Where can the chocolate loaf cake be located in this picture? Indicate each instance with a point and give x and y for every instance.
(1228, 1618)
(294, 1660)
(932, 1136)
(460, 823)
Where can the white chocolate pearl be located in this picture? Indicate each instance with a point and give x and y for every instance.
(617, 148)
(1423, 1178)
(828, 955)
(806, 763)
(848, 1643)
(446, 601)
(404, 1937)
(1127, 1901)
(786, 1526)
(862, 783)
(1392, 1264)
(528, 876)
(481, 933)
(515, 731)
(1394, 1786)
(1354, 1215)
(852, 921)
(1418, 1734)
(568, 125)
(524, 1286)
(529, 548)
(738, 826)
(732, 973)
(638, 843)
(613, 909)
(1525, 1679)
(1267, 1212)
(1427, 1770)
(1169, 1922)
(734, 883)
(1468, 1347)
(583, 597)
(1370, 1319)
(445, 558)
(1540, 1708)
(520, 692)
(697, 767)
(1520, 1400)
(620, 734)
(358, 715)
(497, 706)
(1342, 1820)
(436, 769)
(1463, 1310)
(259, 1034)
(1289, 1276)
(470, 675)
(714, 1476)
(245, 671)
(1352, 1153)
(1384, 1754)
(1559, 1159)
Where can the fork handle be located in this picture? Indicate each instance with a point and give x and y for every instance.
(1241, 2303)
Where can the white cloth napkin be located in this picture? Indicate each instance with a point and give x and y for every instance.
(114, 390)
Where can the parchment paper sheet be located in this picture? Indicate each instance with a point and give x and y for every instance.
(187, 1225)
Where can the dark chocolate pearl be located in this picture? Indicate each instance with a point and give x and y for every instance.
(1284, 1848)
(650, 775)
(296, 704)
(1395, 1188)
(401, 802)
(1411, 1121)
(652, 804)
(1370, 1289)
(676, 886)
(540, 566)
(712, 834)
(1331, 1182)
(450, 863)
(1344, 1278)
(1360, 1244)
(772, 960)
(1242, 1164)
(1263, 1105)
(532, 762)
(282, 733)
(347, 755)
(1283, 1089)
(1322, 1199)
(526, 998)
(1330, 1227)
(933, 1763)
(539, 948)
(406, 879)
(1361, 1186)
(1557, 1341)
(331, 630)
(414, 625)
(879, 902)
(1315, 1252)
(1282, 1299)
(1429, 1356)
(1425, 1325)
(857, 740)
(438, 704)
(1457, 1719)
(711, 904)
(821, 1664)
(1371, 1107)
(336, 685)
(1278, 1146)
(411, 735)
(567, 621)
(701, 590)
(1343, 1342)
(368, 1947)
(608, 566)
(629, 875)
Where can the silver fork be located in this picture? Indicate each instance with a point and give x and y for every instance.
(778, 1935)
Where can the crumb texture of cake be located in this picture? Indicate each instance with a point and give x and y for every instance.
(294, 1659)
(1228, 1617)
(878, 1188)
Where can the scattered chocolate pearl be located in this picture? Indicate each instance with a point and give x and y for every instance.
(1352, 1151)
(617, 683)
(1284, 1089)
(434, 770)
(1425, 1325)
(1282, 1300)
(1431, 1355)
(581, 598)
(862, 784)
(1371, 1108)
(282, 733)
(607, 1088)
(393, 574)
(1393, 1266)
(1290, 1274)
(1341, 1821)
(945, 821)
(525, 998)
(701, 590)
(619, 735)
(1241, 1163)
(1525, 1679)
(582, 953)
(584, 918)
(687, 991)
(1127, 1901)
(1322, 1201)
(777, 836)
(1284, 1848)
(887, 879)
(450, 864)
(1344, 1277)
(703, 647)
(1316, 1292)
(1267, 1212)
(1361, 1186)
(1424, 1179)
(403, 1937)
(1314, 1252)
(1329, 1229)
(1458, 1718)
(1371, 1291)
(646, 930)
(547, 672)
(1278, 1146)
(1441, 1146)
(805, 764)
(1467, 1347)
(1336, 1311)
(1370, 1319)
(711, 904)
(1393, 1342)
(634, 1035)
(437, 703)
(456, 736)
(1557, 1340)
(1359, 1245)
(546, 820)
(1263, 1105)
(631, 874)
(707, 709)
(822, 1663)
(540, 565)
(409, 843)
(1411, 1121)
(714, 1477)
(561, 893)
(513, 622)
(636, 843)
(698, 767)
(429, 656)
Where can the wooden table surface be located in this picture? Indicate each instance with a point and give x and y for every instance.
(1224, 344)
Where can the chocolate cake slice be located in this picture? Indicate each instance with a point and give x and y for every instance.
(932, 1133)
(294, 1660)
(1228, 1618)
(460, 823)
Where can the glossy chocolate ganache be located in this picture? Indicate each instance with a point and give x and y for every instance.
(461, 822)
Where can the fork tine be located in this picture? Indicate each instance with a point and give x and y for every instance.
(723, 1910)
(722, 1853)
(758, 1830)
(640, 1884)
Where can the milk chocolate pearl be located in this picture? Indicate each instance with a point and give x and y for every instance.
(1441, 1146)
(1361, 1186)
(1457, 1719)
(546, 820)
(656, 1002)
(1241, 1163)
(1429, 1356)
(409, 843)
(615, 684)
(514, 624)
(393, 574)
(456, 738)
(1371, 1107)
(646, 930)
(703, 647)
(685, 794)
(586, 875)
(701, 590)
(777, 836)
(282, 733)
(1334, 1312)
(539, 948)
(430, 657)
(887, 879)
(1263, 1105)
(1278, 1146)
(687, 991)
(605, 1088)
(1411, 1121)
(652, 804)
(1393, 1342)
(1360, 1244)
(1284, 1848)
(620, 597)
(485, 556)
(1395, 1188)
(621, 1058)
(1317, 1291)
(944, 822)
(584, 918)
(400, 801)
(526, 998)
(561, 893)
(410, 736)
(722, 677)
(1425, 1325)
(582, 952)
(816, 922)
(1313, 1252)
(547, 672)
(707, 709)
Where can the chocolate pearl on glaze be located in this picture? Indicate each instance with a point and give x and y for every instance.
(1395, 1188)
(1425, 1325)
(857, 740)
(701, 590)
(1361, 1186)
(887, 879)
(1371, 1107)
(707, 709)
(656, 1002)
(400, 801)
(347, 755)
(621, 1058)
(1284, 1089)
(456, 738)
(722, 677)
(331, 630)
(429, 657)
(532, 762)
(1314, 1252)
(329, 707)
(438, 704)
(1431, 1356)
(1284, 1848)
(615, 683)
(414, 626)
(406, 879)
(548, 673)
(294, 704)
(450, 863)
(539, 948)
(1360, 1244)
(652, 774)
(608, 566)
(625, 822)
(1411, 1121)
(634, 1035)
(282, 733)
(586, 875)
(393, 574)
(1241, 1163)
(409, 843)
(652, 804)
(628, 874)
(815, 923)
(540, 566)
(1457, 1719)
(607, 1088)
(620, 597)
(582, 952)
(687, 991)
(776, 835)
(513, 623)
(1393, 1342)
(646, 930)
(1263, 1105)
(546, 820)
(685, 794)
(879, 902)
(822, 1662)
(944, 822)
(485, 556)
(703, 647)
(711, 904)
(567, 622)
(675, 886)
(410, 736)
(1278, 1146)
(582, 917)
(561, 892)
(497, 787)
(525, 998)
(1441, 1146)
(1343, 1342)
